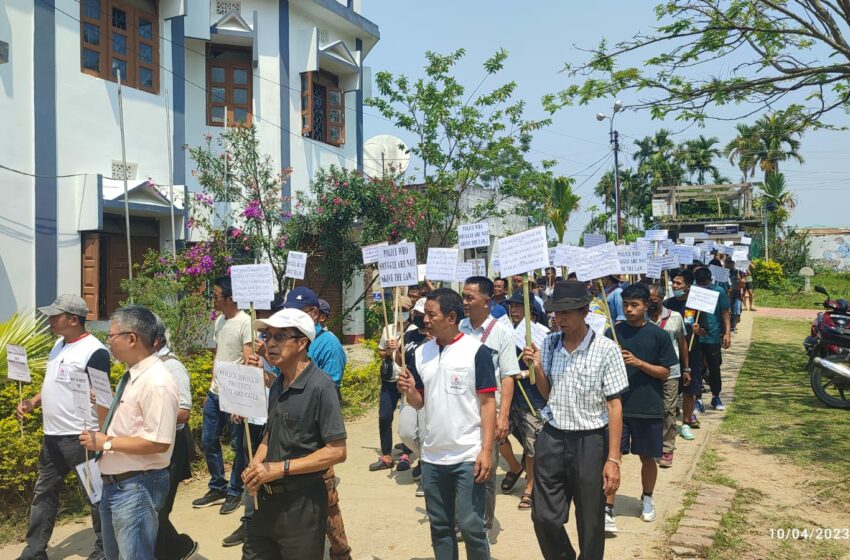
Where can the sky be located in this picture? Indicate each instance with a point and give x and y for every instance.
(541, 36)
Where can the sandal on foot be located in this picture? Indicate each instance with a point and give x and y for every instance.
(509, 481)
(524, 502)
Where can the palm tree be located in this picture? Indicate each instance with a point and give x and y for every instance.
(658, 161)
(605, 189)
(562, 203)
(698, 155)
(772, 139)
(743, 150)
(775, 194)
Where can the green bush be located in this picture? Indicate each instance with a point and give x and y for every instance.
(768, 274)
(361, 385)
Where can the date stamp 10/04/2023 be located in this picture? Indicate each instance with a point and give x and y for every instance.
(809, 533)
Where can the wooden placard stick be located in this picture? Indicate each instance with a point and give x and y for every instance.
(526, 300)
(604, 297)
(249, 445)
(694, 332)
(525, 395)
(21, 402)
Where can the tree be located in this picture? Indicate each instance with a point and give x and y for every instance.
(743, 149)
(772, 139)
(706, 54)
(698, 156)
(561, 204)
(464, 142)
(775, 195)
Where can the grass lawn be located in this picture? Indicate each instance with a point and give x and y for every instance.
(836, 283)
(775, 409)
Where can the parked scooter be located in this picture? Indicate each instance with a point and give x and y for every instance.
(828, 347)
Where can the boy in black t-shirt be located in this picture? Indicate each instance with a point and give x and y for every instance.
(648, 354)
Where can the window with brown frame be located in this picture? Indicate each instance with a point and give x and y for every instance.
(322, 108)
(121, 35)
(229, 85)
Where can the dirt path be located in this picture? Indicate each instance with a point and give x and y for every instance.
(781, 313)
(384, 519)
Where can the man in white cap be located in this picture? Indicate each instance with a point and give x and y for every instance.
(304, 437)
(75, 351)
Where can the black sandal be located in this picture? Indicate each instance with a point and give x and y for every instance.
(509, 481)
(524, 502)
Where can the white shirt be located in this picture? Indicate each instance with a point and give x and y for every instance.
(57, 398)
(181, 379)
(500, 341)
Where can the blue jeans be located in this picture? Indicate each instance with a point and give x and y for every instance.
(129, 513)
(445, 486)
(215, 422)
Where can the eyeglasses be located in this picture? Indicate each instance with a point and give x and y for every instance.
(279, 337)
(110, 336)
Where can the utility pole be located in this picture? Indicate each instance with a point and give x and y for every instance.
(615, 140)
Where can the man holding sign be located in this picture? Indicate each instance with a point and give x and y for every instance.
(75, 351)
(716, 336)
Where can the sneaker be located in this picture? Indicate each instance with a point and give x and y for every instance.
(693, 422)
(420, 492)
(417, 471)
(403, 463)
(610, 524)
(685, 432)
(381, 464)
(666, 460)
(211, 498)
(231, 504)
(647, 508)
(235, 538)
(717, 404)
(699, 406)
(191, 548)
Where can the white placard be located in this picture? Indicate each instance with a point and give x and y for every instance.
(568, 255)
(728, 243)
(684, 254)
(441, 264)
(593, 239)
(16, 358)
(689, 241)
(740, 255)
(552, 251)
(725, 249)
(296, 265)
(632, 260)
(597, 322)
(80, 392)
(252, 283)
(523, 252)
(91, 472)
(462, 272)
(746, 240)
(472, 236)
(372, 252)
(719, 273)
(653, 268)
(598, 263)
(668, 262)
(241, 390)
(479, 266)
(742, 265)
(397, 265)
(420, 270)
(102, 386)
(655, 234)
(702, 299)
(538, 334)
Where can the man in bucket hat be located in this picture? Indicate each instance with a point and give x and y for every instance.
(577, 454)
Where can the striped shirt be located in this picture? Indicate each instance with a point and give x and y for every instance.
(582, 381)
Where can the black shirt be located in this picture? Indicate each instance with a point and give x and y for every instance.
(99, 360)
(649, 343)
(412, 341)
(303, 417)
(537, 400)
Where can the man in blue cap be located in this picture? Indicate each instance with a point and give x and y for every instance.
(327, 353)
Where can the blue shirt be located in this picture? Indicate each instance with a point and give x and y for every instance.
(714, 321)
(497, 310)
(615, 304)
(327, 353)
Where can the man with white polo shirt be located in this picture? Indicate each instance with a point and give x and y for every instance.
(75, 351)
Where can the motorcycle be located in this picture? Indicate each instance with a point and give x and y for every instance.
(828, 348)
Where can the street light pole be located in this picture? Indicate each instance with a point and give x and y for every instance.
(614, 138)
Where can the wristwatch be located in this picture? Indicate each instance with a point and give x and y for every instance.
(687, 369)
(107, 445)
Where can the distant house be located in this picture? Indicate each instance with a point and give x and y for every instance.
(830, 247)
(292, 67)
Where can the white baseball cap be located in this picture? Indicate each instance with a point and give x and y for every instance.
(420, 306)
(289, 318)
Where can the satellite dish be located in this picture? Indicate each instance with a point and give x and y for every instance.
(385, 155)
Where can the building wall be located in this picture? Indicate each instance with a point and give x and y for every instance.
(832, 251)
(17, 149)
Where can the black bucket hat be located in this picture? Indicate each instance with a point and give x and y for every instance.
(568, 295)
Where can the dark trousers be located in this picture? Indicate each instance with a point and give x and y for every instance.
(713, 360)
(171, 545)
(567, 468)
(292, 525)
(452, 495)
(386, 410)
(59, 454)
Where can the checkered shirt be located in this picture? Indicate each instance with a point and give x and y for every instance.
(582, 381)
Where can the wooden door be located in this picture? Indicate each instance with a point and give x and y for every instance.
(91, 274)
(117, 270)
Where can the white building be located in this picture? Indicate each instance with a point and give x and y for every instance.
(293, 67)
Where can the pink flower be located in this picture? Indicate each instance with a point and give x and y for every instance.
(236, 233)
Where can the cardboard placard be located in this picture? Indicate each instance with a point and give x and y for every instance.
(523, 252)
(740, 255)
(252, 283)
(655, 234)
(684, 254)
(296, 265)
(463, 271)
(420, 272)
(668, 262)
(746, 240)
(632, 260)
(598, 263)
(725, 249)
(479, 266)
(568, 255)
(102, 386)
(91, 472)
(653, 268)
(241, 390)
(16, 359)
(397, 265)
(538, 334)
(742, 265)
(689, 241)
(702, 299)
(597, 322)
(472, 236)
(372, 252)
(719, 273)
(441, 264)
(593, 239)
(80, 392)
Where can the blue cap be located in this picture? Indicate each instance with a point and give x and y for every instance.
(301, 297)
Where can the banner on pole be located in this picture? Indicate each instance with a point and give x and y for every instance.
(372, 252)
(252, 283)
(241, 390)
(397, 265)
(441, 263)
(702, 299)
(472, 236)
(296, 265)
(16, 358)
(523, 252)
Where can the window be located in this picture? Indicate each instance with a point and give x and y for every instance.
(121, 36)
(322, 108)
(229, 85)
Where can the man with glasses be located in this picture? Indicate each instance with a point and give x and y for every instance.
(75, 350)
(137, 440)
(233, 339)
(304, 437)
